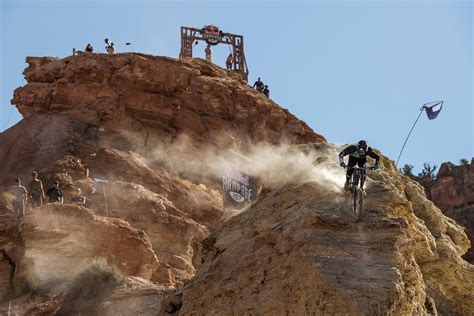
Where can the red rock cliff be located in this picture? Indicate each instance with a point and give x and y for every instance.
(149, 125)
(135, 120)
(453, 192)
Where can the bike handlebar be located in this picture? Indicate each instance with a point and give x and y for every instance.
(362, 168)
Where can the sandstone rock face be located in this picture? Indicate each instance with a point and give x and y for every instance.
(34, 142)
(59, 241)
(135, 297)
(175, 235)
(137, 120)
(158, 97)
(454, 186)
(118, 165)
(162, 132)
(453, 192)
(145, 104)
(298, 251)
(465, 218)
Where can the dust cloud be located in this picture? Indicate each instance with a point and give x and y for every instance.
(274, 165)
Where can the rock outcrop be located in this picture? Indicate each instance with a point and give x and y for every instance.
(162, 132)
(453, 187)
(146, 102)
(59, 241)
(298, 251)
(134, 297)
(453, 192)
(175, 235)
(144, 123)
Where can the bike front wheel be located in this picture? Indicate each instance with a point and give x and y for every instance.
(358, 201)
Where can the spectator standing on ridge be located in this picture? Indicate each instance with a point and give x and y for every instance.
(208, 53)
(89, 48)
(21, 198)
(77, 198)
(266, 91)
(110, 48)
(228, 62)
(258, 85)
(36, 191)
(55, 194)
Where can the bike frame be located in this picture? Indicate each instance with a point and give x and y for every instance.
(359, 172)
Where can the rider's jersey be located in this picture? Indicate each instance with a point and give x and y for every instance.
(359, 153)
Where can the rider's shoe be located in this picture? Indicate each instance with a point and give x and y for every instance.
(363, 192)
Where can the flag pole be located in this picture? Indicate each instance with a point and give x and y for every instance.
(403, 147)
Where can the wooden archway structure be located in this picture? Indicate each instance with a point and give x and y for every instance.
(213, 36)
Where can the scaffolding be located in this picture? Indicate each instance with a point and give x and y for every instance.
(213, 36)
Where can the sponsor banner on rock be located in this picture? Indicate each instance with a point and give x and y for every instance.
(237, 187)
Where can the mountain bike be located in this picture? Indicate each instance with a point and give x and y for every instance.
(357, 191)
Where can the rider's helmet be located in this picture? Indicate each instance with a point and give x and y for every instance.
(362, 144)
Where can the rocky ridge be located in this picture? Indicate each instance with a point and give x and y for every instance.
(155, 128)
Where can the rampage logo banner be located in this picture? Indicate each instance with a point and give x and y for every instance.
(237, 187)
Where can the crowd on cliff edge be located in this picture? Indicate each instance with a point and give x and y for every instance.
(34, 195)
(110, 49)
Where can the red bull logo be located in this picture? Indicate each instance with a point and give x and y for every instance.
(212, 34)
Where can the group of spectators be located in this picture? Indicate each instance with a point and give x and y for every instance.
(109, 48)
(261, 87)
(35, 195)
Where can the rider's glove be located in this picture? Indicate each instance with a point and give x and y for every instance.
(376, 166)
(342, 164)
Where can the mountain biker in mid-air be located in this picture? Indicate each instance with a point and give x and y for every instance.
(357, 155)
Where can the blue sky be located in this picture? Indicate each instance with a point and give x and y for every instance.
(350, 69)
